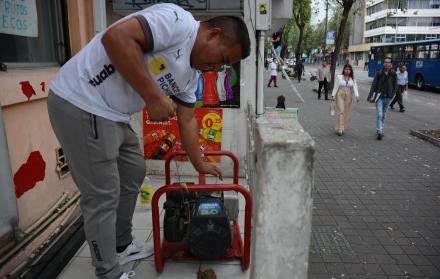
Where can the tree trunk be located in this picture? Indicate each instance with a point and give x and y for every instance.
(300, 39)
(340, 35)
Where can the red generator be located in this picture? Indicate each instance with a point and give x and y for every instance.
(198, 223)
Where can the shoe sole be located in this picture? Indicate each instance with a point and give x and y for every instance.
(145, 253)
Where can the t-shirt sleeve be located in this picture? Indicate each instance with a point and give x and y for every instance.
(188, 97)
(169, 25)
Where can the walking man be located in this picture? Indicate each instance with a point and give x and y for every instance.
(299, 68)
(147, 59)
(382, 92)
(324, 77)
(402, 86)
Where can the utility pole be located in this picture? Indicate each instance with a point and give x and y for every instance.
(325, 30)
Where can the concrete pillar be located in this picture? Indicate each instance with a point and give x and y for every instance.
(282, 199)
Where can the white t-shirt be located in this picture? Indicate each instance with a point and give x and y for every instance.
(273, 69)
(90, 81)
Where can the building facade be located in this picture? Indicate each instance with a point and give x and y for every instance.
(392, 21)
(36, 38)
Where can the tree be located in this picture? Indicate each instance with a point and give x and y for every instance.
(346, 7)
(301, 14)
(288, 35)
(334, 23)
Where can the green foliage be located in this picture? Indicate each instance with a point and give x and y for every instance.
(302, 12)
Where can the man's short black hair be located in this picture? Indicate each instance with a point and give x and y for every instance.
(234, 31)
(387, 57)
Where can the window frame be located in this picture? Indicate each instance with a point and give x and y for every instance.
(61, 37)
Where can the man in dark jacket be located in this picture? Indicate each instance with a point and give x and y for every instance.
(276, 42)
(299, 68)
(382, 92)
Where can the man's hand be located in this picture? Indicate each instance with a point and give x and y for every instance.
(370, 99)
(208, 168)
(161, 108)
(357, 99)
(188, 132)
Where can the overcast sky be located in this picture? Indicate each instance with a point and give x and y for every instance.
(320, 4)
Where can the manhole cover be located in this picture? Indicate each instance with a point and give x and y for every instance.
(328, 240)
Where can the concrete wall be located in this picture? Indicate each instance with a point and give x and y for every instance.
(27, 129)
(282, 199)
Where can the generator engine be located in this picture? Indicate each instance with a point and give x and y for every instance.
(200, 220)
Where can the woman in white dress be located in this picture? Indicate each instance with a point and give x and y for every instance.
(343, 90)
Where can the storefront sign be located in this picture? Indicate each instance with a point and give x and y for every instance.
(18, 17)
(330, 37)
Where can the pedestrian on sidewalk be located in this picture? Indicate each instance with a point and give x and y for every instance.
(273, 73)
(324, 77)
(343, 90)
(402, 86)
(382, 92)
(299, 69)
(137, 62)
(276, 40)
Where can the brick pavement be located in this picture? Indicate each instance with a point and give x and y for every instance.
(376, 211)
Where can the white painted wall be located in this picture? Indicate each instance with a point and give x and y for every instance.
(282, 199)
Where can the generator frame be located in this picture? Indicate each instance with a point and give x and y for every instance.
(178, 251)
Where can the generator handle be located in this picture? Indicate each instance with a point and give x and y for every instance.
(201, 175)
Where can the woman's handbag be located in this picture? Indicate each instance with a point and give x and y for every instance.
(332, 108)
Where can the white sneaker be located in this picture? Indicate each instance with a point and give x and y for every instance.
(134, 251)
(127, 275)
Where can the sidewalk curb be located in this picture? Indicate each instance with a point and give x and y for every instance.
(425, 137)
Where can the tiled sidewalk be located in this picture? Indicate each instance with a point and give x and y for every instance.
(81, 265)
(376, 203)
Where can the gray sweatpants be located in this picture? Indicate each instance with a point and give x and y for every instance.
(107, 166)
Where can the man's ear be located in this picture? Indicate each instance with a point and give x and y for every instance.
(213, 33)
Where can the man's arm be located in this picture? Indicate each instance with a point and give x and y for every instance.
(373, 87)
(335, 87)
(125, 44)
(189, 134)
(394, 83)
(406, 81)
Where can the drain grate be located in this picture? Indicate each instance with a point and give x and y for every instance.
(329, 240)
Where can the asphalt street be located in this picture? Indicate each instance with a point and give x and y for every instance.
(376, 210)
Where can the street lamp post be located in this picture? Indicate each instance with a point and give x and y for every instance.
(325, 30)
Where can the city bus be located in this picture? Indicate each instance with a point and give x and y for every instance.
(422, 60)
